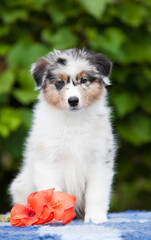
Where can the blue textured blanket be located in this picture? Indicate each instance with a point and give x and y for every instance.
(130, 225)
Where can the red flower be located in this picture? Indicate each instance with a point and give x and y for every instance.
(63, 206)
(40, 202)
(42, 207)
(22, 215)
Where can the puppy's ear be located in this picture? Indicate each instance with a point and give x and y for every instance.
(103, 66)
(39, 70)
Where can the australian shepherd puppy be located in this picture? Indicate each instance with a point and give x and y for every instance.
(71, 146)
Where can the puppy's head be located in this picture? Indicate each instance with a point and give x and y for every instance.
(72, 79)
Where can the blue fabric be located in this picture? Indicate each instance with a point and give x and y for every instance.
(130, 225)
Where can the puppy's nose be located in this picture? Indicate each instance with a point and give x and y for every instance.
(73, 101)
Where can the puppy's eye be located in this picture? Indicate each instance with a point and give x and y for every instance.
(60, 82)
(83, 80)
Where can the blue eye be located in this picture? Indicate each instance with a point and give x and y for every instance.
(83, 80)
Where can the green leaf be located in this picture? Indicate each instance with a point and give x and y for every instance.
(56, 14)
(137, 130)
(147, 73)
(4, 49)
(61, 39)
(14, 144)
(96, 7)
(7, 79)
(11, 16)
(25, 96)
(111, 40)
(39, 4)
(146, 103)
(47, 35)
(120, 74)
(26, 116)
(131, 13)
(25, 79)
(125, 102)
(10, 120)
(91, 33)
(24, 54)
(4, 30)
(137, 50)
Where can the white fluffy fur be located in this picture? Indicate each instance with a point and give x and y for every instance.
(71, 151)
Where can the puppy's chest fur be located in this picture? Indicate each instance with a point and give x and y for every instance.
(72, 146)
(76, 147)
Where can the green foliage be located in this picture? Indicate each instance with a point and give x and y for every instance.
(96, 7)
(10, 120)
(7, 79)
(132, 13)
(122, 30)
(137, 130)
(23, 54)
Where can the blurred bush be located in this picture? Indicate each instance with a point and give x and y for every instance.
(121, 29)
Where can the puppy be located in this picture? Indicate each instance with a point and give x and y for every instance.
(71, 146)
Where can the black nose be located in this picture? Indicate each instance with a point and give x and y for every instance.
(73, 101)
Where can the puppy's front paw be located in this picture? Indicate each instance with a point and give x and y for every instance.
(95, 218)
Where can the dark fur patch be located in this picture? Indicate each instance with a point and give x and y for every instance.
(102, 63)
(91, 78)
(50, 77)
(39, 70)
(37, 78)
(62, 61)
(75, 83)
(68, 79)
